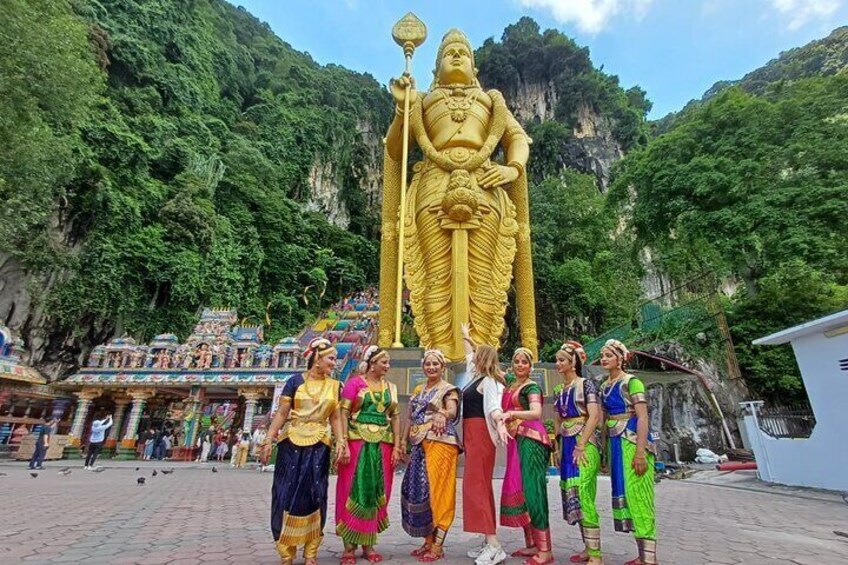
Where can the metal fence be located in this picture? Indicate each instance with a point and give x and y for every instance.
(687, 309)
(796, 421)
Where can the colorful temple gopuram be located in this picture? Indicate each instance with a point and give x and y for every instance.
(224, 374)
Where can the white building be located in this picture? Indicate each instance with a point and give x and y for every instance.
(821, 349)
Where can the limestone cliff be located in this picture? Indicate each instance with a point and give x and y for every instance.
(348, 172)
(53, 351)
(370, 176)
(546, 76)
(592, 148)
(682, 410)
(325, 193)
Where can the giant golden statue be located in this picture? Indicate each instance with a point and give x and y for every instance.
(466, 217)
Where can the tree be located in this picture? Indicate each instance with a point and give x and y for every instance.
(756, 189)
(586, 279)
(49, 88)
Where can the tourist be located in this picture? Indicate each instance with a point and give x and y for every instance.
(206, 440)
(233, 442)
(159, 444)
(96, 439)
(578, 415)
(167, 444)
(42, 443)
(258, 438)
(483, 430)
(241, 448)
(222, 448)
(140, 442)
(631, 452)
(308, 410)
(428, 492)
(524, 499)
(149, 443)
(370, 417)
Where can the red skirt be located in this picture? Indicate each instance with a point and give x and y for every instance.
(478, 500)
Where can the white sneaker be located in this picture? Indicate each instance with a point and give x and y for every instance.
(87, 468)
(477, 551)
(491, 556)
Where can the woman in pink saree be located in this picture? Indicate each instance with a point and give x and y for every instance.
(524, 500)
(372, 427)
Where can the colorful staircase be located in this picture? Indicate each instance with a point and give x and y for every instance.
(351, 325)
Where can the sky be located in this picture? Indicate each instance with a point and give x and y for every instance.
(674, 49)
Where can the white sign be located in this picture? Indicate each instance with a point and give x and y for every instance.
(278, 390)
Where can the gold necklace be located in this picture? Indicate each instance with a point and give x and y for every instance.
(381, 403)
(315, 397)
(459, 103)
(518, 383)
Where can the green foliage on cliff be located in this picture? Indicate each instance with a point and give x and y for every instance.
(586, 280)
(171, 143)
(586, 277)
(822, 57)
(48, 90)
(525, 55)
(755, 188)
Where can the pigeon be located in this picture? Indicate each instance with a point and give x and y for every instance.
(214, 469)
(65, 471)
(98, 470)
(167, 471)
(2, 474)
(137, 468)
(845, 497)
(140, 481)
(33, 475)
(154, 472)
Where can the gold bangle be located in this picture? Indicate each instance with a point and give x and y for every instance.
(517, 165)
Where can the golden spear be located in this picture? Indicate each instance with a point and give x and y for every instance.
(409, 32)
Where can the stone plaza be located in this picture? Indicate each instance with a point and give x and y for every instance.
(196, 516)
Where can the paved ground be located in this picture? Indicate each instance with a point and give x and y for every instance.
(196, 516)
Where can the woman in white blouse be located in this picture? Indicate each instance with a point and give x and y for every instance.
(483, 430)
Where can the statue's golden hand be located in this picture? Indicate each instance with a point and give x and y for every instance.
(497, 175)
(397, 86)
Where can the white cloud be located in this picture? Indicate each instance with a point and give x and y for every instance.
(590, 16)
(710, 7)
(800, 12)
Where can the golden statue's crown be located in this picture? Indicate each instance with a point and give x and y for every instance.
(454, 36)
